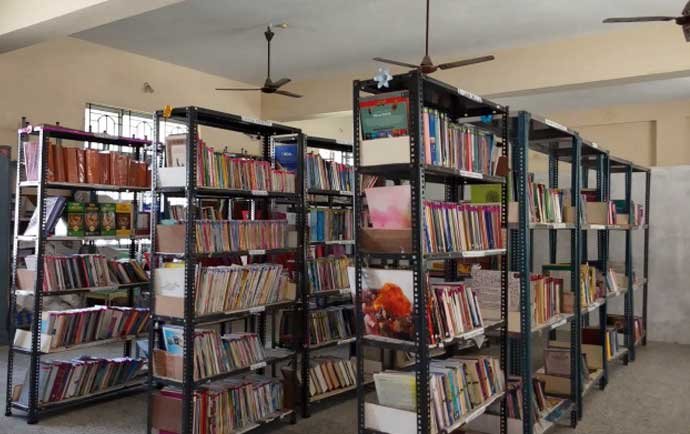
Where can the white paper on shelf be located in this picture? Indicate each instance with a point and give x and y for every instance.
(259, 192)
(256, 366)
(555, 125)
(257, 121)
(256, 252)
(470, 95)
(473, 175)
(257, 309)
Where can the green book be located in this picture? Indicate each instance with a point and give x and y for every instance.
(108, 227)
(485, 193)
(92, 219)
(75, 219)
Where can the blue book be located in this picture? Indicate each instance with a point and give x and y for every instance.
(286, 155)
(432, 136)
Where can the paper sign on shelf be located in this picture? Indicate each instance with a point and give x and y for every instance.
(256, 366)
(256, 252)
(257, 309)
(559, 323)
(473, 175)
(259, 192)
(555, 125)
(257, 121)
(470, 95)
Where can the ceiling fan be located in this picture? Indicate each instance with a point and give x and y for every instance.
(683, 20)
(269, 86)
(427, 66)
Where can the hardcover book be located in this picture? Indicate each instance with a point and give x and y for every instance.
(107, 219)
(92, 219)
(75, 219)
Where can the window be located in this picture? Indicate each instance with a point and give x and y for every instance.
(124, 122)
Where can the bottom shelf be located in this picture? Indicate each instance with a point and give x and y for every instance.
(275, 417)
(337, 392)
(593, 379)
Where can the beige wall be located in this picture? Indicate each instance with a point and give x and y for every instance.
(53, 81)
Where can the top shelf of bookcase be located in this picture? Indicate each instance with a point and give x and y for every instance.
(329, 144)
(60, 132)
(454, 101)
(433, 174)
(232, 122)
(619, 165)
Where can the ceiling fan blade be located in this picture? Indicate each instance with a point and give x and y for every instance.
(280, 83)
(235, 88)
(466, 62)
(395, 62)
(286, 93)
(686, 32)
(638, 19)
(686, 9)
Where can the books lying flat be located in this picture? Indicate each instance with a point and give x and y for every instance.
(60, 329)
(65, 379)
(328, 175)
(454, 311)
(327, 224)
(457, 146)
(453, 227)
(224, 406)
(222, 288)
(220, 170)
(327, 274)
(457, 386)
(219, 236)
(327, 374)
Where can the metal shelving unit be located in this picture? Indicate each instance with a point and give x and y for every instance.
(35, 409)
(424, 91)
(532, 132)
(255, 317)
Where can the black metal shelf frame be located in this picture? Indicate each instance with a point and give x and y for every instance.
(424, 91)
(559, 143)
(194, 117)
(43, 133)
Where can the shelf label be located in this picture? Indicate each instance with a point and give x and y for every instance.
(555, 125)
(257, 121)
(558, 225)
(345, 193)
(559, 323)
(256, 252)
(345, 291)
(259, 192)
(256, 366)
(345, 341)
(473, 254)
(473, 175)
(257, 309)
(595, 145)
(470, 95)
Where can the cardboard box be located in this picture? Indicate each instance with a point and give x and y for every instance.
(164, 410)
(568, 302)
(167, 365)
(169, 306)
(553, 385)
(513, 211)
(385, 150)
(622, 219)
(593, 356)
(386, 240)
(597, 213)
(172, 176)
(170, 238)
(26, 279)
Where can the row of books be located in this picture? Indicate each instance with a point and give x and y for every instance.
(546, 295)
(458, 385)
(327, 374)
(326, 325)
(225, 406)
(453, 227)
(88, 271)
(228, 288)
(454, 310)
(218, 236)
(90, 166)
(327, 224)
(86, 375)
(633, 215)
(214, 354)
(94, 219)
(220, 170)
(590, 290)
(545, 204)
(460, 147)
(65, 328)
(328, 175)
(327, 274)
(541, 402)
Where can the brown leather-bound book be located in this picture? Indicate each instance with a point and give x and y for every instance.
(124, 162)
(104, 158)
(60, 164)
(147, 181)
(81, 165)
(93, 166)
(112, 167)
(51, 173)
(70, 164)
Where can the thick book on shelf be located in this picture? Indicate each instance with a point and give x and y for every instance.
(453, 227)
(327, 325)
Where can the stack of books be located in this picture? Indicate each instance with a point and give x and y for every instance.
(545, 204)
(454, 310)
(86, 375)
(457, 146)
(220, 170)
(228, 288)
(327, 374)
(328, 175)
(453, 227)
(327, 274)
(64, 328)
(458, 385)
(327, 224)
(225, 406)
(86, 166)
(220, 236)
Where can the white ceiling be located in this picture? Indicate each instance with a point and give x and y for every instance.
(225, 37)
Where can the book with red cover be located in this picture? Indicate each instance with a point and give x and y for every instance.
(93, 166)
(59, 164)
(81, 165)
(104, 162)
(71, 165)
(51, 174)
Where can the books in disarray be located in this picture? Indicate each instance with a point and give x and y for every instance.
(83, 376)
(225, 406)
(220, 170)
(215, 355)
(457, 146)
(89, 271)
(220, 236)
(541, 402)
(235, 287)
(53, 210)
(457, 227)
(327, 224)
(327, 274)
(328, 175)
(328, 374)
(326, 325)
(545, 204)
(65, 328)
(454, 310)
(457, 386)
